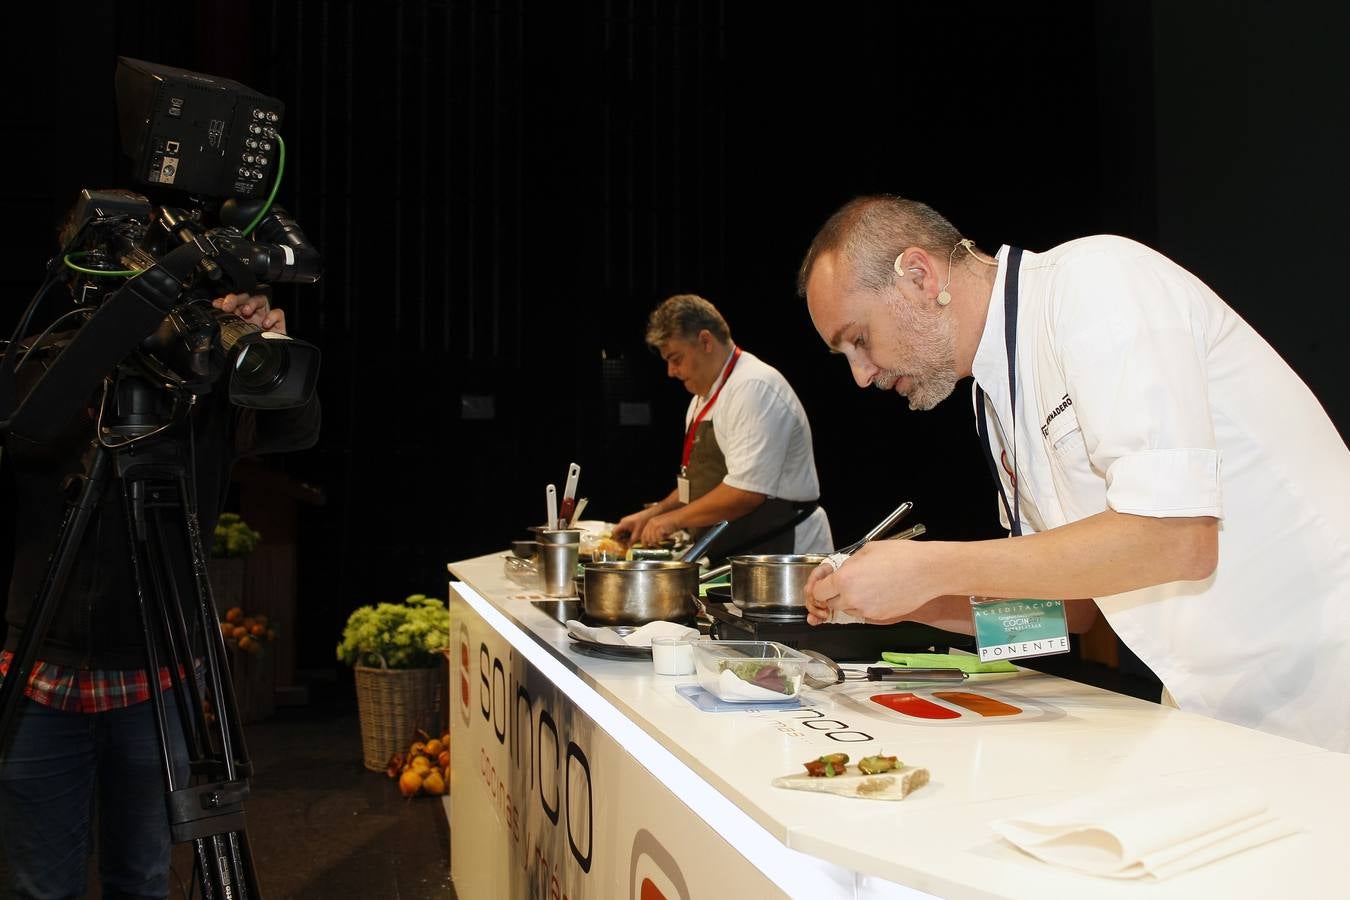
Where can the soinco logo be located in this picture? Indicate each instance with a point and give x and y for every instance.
(652, 871)
(465, 692)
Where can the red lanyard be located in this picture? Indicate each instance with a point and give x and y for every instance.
(693, 427)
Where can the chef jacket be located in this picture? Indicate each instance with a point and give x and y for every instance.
(1140, 390)
(762, 431)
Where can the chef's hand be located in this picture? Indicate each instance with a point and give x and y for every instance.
(884, 582)
(658, 528)
(630, 527)
(255, 308)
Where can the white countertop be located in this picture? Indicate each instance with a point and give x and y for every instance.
(1070, 738)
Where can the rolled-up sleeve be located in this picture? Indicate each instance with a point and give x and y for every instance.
(1133, 349)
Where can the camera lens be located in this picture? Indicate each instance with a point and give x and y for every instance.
(259, 367)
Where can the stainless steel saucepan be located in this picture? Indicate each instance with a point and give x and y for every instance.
(771, 583)
(635, 592)
(774, 585)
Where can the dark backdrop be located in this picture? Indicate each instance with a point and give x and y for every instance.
(502, 190)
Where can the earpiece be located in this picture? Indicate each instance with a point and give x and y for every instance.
(944, 298)
(900, 265)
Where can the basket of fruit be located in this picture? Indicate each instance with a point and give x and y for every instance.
(397, 651)
(252, 667)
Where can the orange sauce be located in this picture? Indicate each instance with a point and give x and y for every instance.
(978, 703)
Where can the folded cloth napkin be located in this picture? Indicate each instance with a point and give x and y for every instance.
(638, 637)
(968, 664)
(838, 616)
(1151, 831)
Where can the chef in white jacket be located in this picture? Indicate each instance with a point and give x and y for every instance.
(1159, 456)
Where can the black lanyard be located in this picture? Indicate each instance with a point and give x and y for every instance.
(982, 426)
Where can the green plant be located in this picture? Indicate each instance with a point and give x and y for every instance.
(413, 634)
(233, 537)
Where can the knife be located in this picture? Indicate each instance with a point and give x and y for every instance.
(569, 495)
(905, 673)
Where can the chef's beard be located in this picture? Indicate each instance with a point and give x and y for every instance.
(932, 372)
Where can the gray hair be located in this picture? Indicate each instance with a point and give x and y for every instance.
(869, 232)
(684, 316)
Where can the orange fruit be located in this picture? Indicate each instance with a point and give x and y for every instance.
(226, 630)
(433, 748)
(260, 618)
(433, 784)
(409, 783)
(234, 614)
(247, 644)
(420, 764)
(444, 759)
(240, 632)
(257, 630)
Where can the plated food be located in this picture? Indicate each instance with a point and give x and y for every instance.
(832, 765)
(873, 778)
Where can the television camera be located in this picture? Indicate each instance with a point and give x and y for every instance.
(143, 329)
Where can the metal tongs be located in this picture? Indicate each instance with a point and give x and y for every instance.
(837, 674)
(903, 673)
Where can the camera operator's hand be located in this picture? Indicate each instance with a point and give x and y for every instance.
(253, 308)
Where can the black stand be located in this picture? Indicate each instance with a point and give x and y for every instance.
(151, 474)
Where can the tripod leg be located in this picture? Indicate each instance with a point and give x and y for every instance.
(209, 814)
(68, 541)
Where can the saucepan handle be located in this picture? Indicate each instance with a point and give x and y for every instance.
(697, 548)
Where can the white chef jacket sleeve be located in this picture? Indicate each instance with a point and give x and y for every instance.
(753, 428)
(1131, 344)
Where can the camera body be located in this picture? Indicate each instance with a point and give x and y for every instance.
(118, 234)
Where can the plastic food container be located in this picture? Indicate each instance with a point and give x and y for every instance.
(749, 671)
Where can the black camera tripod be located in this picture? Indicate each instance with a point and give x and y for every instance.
(133, 454)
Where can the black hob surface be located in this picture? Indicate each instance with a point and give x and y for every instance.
(842, 643)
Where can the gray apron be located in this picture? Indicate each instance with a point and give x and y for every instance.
(770, 528)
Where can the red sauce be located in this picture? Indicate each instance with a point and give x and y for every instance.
(914, 706)
(978, 703)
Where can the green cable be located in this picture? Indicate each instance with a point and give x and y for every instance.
(109, 273)
(281, 168)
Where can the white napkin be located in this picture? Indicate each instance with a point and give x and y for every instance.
(638, 637)
(1145, 832)
(838, 616)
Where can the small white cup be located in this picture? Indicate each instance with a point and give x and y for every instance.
(672, 656)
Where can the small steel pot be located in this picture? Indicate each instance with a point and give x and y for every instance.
(635, 592)
(772, 583)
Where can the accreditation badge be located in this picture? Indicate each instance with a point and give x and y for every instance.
(682, 488)
(1019, 629)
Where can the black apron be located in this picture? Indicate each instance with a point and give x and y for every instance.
(769, 528)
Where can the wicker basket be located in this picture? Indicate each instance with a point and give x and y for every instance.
(393, 704)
